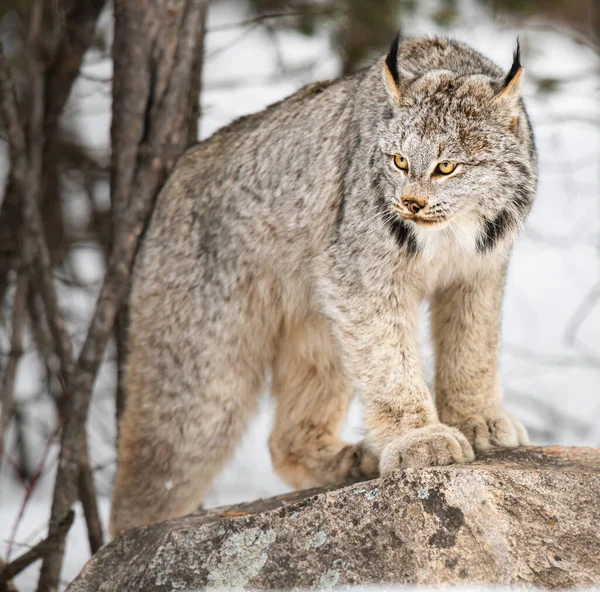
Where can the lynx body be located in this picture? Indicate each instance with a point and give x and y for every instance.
(299, 243)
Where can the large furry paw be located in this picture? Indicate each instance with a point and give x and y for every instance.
(432, 445)
(493, 429)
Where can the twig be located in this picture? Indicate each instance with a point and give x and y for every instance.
(55, 537)
(231, 44)
(16, 341)
(325, 11)
(78, 36)
(22, 464)
(554, 416)
(577, 36)
(571, 118)
(554, 360)
(236, 83)
(581, 313)
(88, 501)
(30, 488)
(97, 79)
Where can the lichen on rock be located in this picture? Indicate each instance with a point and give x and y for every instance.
(509, 518)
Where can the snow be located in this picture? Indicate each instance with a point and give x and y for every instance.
(550, 380)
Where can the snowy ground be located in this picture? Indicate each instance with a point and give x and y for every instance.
(550, 378)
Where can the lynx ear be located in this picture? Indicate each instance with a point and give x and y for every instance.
(510, 95)
(392, 76)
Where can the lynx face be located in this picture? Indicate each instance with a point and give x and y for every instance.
(455, 156)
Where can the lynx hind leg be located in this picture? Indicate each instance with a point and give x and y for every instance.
(174, 442)
(312, 393)
(189, 401)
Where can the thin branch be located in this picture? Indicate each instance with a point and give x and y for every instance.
(554, 360)
(581, 313)
(78, 36)
(22, 465)
(254, 21)
(554, 416)
(16, 343)
(571, 118)
(231, 44)
(94, 78)
(577, 36)
(321, 11)
(55, 537)
(238, 82)
(88, 501)
(30, 488)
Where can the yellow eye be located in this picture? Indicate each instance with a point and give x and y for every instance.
(445, 168)
(400, 162)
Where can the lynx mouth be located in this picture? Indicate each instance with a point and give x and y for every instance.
(431, 220)
(426, 222)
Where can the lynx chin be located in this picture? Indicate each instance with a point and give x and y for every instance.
(298, 243)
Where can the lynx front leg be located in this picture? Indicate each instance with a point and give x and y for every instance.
(378, 335)
(312, 392)
(466, 330)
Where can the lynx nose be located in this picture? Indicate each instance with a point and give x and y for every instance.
(414, 204)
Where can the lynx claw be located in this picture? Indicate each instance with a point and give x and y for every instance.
(432, 445)
(494, 430)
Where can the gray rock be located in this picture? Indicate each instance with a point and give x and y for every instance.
(527, 516)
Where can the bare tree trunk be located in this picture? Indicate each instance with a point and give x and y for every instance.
(157, 52)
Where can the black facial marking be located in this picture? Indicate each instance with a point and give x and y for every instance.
(494, 230)
(404, 236)
(516, 65)
(392, 59)
(399, 229)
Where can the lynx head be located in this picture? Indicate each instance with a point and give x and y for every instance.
(455, 151)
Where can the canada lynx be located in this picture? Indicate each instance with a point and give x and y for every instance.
(301, 241)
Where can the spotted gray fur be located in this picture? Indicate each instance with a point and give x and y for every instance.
(283, 245)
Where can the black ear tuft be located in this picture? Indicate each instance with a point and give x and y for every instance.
(391, 61)
(516, 65)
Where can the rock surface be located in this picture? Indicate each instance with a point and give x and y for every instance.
(526, 516)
